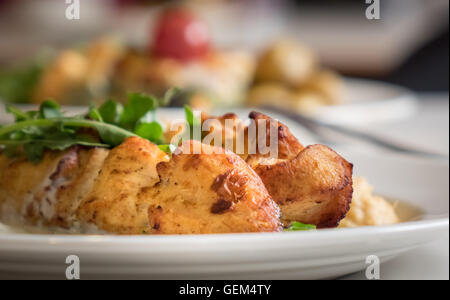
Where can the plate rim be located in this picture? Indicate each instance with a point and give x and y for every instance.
(440, 223)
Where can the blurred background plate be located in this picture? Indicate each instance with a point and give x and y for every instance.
(369, 101)
(365, 101)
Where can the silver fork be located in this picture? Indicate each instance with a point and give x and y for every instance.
(327, 133)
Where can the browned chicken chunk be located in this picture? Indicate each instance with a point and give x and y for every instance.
(115, 203)
(312, 185)
(209, 193)
(50, 192)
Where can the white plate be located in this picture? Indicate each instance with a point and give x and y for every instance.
(292, 255)
(369, 101)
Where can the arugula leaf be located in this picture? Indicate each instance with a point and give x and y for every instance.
(192, 120)
(94, 114)
(109, 134)
(50, 109)
(189, 115)
(150, 131)
(137, 106)
(107, 126)
(16, 136)
(298, 226)
(33, 114)
(17, 113)
(168, 148)
(111, 112)
(37, 130)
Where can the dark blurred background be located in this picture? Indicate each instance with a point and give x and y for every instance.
(408, 46)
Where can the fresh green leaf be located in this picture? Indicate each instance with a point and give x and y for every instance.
(17, 136)
(150, 131)
(108, 126)
(32, 131)
(189, 115)
(298, 226)
(33, 114)
(50, 110)
(193, 121)
(169, 148)
(111, 112)
(87, 138)
(137, 106)
(94, 114)
(18, 114)
(110, 134)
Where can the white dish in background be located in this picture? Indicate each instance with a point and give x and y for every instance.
(423, 184)
(365, 102)
(369, 101)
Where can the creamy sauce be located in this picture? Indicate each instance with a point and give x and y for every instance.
(76, 230)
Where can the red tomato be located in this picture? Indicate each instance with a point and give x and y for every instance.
(179, 34)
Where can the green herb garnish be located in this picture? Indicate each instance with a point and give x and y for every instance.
(111, 111)
(298, 226)
(193, 121)
(168, 148)
(107, 126)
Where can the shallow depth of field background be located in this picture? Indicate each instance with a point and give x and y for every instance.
(408, 46)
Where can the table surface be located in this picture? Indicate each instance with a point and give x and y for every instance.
(428, 129)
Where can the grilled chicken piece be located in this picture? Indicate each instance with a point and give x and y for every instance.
(229, 135)
(312, 185)
(209, 193)
(135, 189)
(48, 193)
(140, 191)
(115, 203)
(315, 187)
(288, 145)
